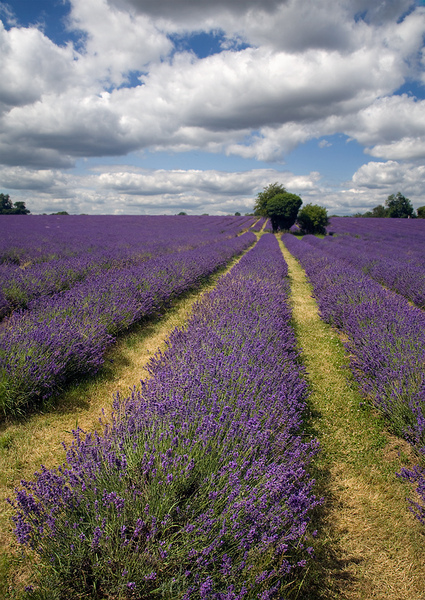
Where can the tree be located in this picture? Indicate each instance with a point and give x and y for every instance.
(20, 209)
(7, 208)
(283, 209)
(260, 207)
(313, 219)
(379, 211)
(5, 204)
(421, 212)
(399, 206)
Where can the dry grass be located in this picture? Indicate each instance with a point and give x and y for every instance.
(369, 545)
(37, 439)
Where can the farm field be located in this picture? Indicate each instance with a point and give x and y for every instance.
(65, 300)
(259, 456)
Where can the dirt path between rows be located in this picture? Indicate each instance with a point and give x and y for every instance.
(369, 545)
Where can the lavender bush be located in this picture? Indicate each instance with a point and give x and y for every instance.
(198, 488)
(61, 336)
(386, 341)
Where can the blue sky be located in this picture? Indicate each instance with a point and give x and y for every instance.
(135, 107)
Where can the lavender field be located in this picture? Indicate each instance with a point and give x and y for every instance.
(199, 487)
(70, 285)
(200, 484)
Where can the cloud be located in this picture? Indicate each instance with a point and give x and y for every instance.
(390, 128)
(376, 175)
(117, 42)
(6, 12)
(211, 182)
(213, 104)
(198, 11)
(392, 176)
(130, 189)
(124, 189)
(304, 71)
(293, 25)
(19, 178)
(258, 102)
(31, 65)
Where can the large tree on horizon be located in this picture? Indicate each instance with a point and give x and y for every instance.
(260, 206)
(399, 206)
(282, 210)
(7, 208)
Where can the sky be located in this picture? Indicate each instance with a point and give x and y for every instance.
(157, 107)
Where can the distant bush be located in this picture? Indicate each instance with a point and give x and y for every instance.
(313, 219)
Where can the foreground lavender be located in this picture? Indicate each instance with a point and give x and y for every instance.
(386, 342)
(198, 489)
(65, 335)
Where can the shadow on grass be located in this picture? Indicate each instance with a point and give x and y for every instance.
(329, 571)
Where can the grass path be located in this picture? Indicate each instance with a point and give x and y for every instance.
(37, 439)
(369, 545)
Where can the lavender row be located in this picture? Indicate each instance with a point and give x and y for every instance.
(66, 335)
(386, 341)
(198, 489)
(399, 269)
(258, 226)
(268, 227)
(52, 253)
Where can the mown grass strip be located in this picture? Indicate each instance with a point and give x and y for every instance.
(369, 545)
(36, 439)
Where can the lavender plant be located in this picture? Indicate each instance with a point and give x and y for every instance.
(198, 487)
(259, 224)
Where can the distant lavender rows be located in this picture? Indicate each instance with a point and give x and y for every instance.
(43, 255)
(391, 251)
(259, 224)
(386, 340)
(391, 230)
(66, 334)
(199, 488)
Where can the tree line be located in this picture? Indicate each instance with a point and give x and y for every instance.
(283, 210)
(396, 206)
(7, 208)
